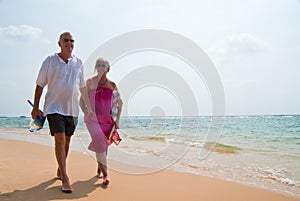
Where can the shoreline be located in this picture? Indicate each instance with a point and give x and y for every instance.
(28, 170)
(225, 167)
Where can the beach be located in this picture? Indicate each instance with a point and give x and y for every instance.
(28, 173)
(171, 156)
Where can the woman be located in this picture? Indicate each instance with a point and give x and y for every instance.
(107, 104)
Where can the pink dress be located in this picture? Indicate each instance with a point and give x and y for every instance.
(100, 125)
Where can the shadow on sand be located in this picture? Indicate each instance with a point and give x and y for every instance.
(41, 192)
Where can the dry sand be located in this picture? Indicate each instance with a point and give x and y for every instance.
(27, 172)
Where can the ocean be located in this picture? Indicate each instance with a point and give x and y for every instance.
(261, 151)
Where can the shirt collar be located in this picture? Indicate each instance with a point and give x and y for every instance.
(60, 60)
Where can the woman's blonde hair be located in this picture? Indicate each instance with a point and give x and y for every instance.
(103, 60)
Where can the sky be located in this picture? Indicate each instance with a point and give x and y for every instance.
(253, 44)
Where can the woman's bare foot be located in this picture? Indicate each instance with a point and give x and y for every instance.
(102, 173)
(105, 181)
(105, 178)
(99, 173)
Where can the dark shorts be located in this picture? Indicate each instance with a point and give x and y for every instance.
(62, 124)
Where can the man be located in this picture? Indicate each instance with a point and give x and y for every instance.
(63, 73)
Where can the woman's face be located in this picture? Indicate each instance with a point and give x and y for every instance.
(101, 67)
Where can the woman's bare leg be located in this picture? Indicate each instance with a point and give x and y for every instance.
(102, 165)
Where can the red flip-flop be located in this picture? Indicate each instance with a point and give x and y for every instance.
(106, 182)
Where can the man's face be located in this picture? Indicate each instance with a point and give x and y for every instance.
(66, 43)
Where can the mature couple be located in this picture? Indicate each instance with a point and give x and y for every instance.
(63, 75)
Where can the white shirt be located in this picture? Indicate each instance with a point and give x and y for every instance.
(63, 80)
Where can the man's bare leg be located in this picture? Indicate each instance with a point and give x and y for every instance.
(67, 145)
(61, 142)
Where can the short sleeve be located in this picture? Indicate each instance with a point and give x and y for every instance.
(81, 76)
(42, 76)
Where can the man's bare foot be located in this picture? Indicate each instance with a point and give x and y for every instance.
(66, 187)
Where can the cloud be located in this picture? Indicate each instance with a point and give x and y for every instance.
(22, 33)
(241, 43)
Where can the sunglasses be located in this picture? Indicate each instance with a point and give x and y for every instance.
(101, 65)
(67, 40)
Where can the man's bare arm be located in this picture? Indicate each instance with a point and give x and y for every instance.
(37, 96)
